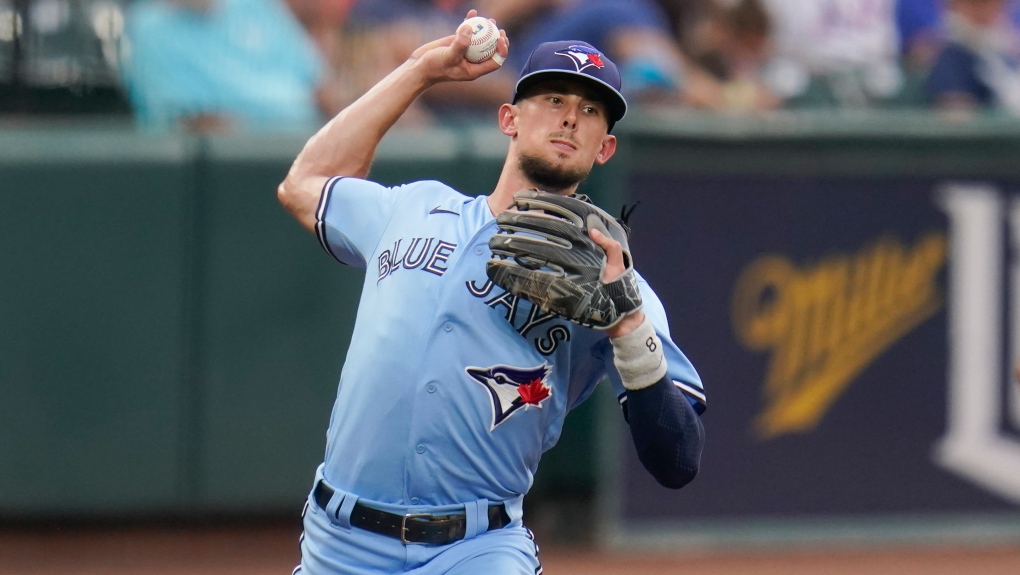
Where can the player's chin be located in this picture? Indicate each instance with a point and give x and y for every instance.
(572, 162)
(550, 172)
(569, 160)
(576, 165)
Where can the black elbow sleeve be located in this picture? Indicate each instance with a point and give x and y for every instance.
(667, 433)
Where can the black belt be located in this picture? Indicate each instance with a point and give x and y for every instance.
(412, 527)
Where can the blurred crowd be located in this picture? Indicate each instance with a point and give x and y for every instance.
(282, 65)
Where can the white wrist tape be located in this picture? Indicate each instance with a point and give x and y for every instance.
(638, 357)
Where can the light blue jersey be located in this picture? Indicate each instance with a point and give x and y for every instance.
(452, 388)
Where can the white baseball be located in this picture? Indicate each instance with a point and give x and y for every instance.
(484, 35)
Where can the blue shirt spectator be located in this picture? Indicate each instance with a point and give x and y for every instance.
(597, 22)
(979, 67)
(923, 20)
(248, 63)
(916, 19)
(956, 72)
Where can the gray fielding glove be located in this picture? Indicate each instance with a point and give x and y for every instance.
(544, 254)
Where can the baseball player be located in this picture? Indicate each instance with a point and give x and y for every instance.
(482, 322)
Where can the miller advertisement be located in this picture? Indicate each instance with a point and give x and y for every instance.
(857, 339)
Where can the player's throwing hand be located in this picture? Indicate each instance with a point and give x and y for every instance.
(445, 59)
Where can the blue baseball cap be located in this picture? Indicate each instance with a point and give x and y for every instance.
(575, 60)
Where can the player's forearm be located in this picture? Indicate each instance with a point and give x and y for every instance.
(346, 145)
(666, 429)
(667, 433)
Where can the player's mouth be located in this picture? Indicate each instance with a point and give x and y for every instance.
(564, 145)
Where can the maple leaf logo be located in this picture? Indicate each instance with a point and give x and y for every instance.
(533, 392)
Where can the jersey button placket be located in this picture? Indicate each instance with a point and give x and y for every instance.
(420, 449)
(431, 388)
(448, 327)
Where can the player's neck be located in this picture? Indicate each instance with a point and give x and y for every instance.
(511, 181)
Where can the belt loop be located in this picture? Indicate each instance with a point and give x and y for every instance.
(471, 519)
(334, 504)
(515, 508)
(344, 513)
(476, 514)
(483, 515)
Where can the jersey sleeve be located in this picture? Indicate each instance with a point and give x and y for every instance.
(352, 216)
(678, 368)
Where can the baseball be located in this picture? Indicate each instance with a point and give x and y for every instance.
(484, 35)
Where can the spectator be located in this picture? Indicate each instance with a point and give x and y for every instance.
(218, 65)
(381, 34)
(919, 23)
(980, 65)
(733, 42)
(922, 29)
(848, 48)
(685, 17)
(359, 46)
(635, 33)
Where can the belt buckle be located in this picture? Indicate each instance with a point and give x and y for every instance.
(403, 527)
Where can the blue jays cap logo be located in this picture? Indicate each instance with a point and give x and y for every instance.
(582, 56)
(511, 388)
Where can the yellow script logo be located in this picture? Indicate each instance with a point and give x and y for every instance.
(825, 323)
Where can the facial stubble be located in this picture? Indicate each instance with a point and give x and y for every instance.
(548, 176)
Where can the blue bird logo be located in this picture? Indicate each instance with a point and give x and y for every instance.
(582, 56)
(511, 388)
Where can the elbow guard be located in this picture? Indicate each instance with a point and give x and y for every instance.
(667, 433)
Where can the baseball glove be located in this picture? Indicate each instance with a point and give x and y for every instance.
(543, 253)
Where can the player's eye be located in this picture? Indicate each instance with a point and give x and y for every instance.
(555, 100)
(591, 110)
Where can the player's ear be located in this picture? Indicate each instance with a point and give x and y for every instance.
(508, 119)
(607, 150)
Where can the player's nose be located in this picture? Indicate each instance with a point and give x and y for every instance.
(570, 118)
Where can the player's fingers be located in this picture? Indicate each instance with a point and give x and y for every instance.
(502, 35)
(608, 244)
(471, 13)
(490, 65)
(461, 42)
(614, 255)
(440, 43)
(456, 55)
(502, 47)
